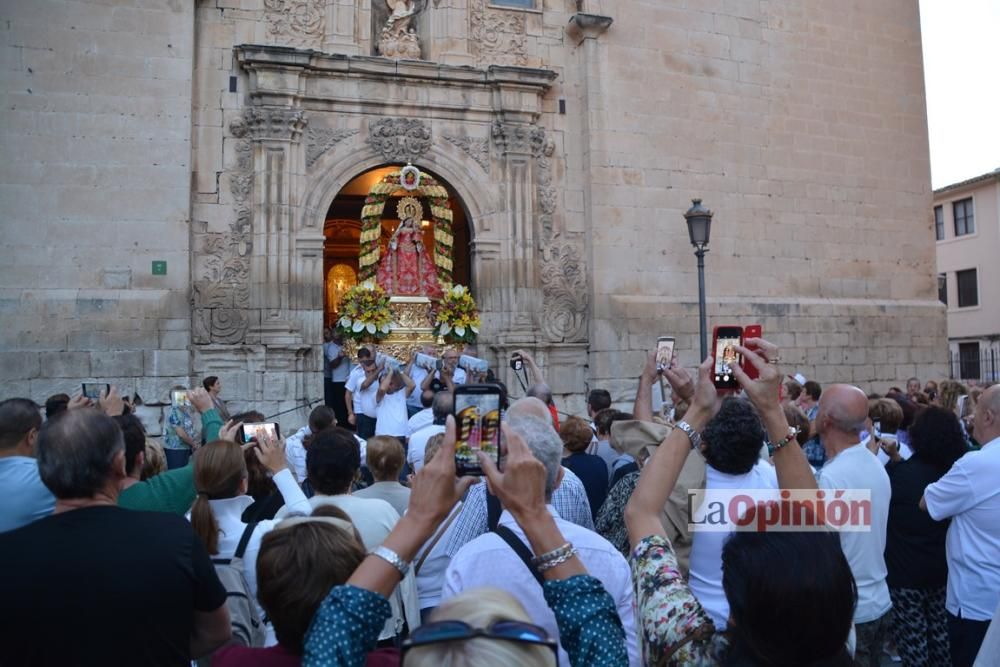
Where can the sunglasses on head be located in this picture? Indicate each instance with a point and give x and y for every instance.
(512, 631)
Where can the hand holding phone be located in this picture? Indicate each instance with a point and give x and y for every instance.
(664, 352)
(93, 390)
(258, 431)
(725, 356)
(751, 331)
(477, 426)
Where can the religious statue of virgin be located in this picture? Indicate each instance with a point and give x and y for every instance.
(406, 268)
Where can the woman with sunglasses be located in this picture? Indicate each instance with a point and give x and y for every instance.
(791, 595)
(344, 629)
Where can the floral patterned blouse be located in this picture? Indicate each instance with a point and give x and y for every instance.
(674, 628)
(346, 625)
(183, 419)
(610, 522)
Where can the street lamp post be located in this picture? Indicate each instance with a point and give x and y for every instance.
(699, 222)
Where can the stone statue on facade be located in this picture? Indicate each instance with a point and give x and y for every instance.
(398, 38)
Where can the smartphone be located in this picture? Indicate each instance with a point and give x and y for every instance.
(664, 352)
(877, 428)
(92, 390)
(751, 331)
(251, 432)
(517, 363)
(179, 398)
(724, 342)
(477, 423)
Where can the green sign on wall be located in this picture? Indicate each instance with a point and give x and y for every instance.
(159, 267)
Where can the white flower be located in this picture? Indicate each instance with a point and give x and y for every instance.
(458, 290)
(357, 326)
(345, 321)
(371, 328)
(445, 328)
(459, 331)
(475, 329)
(385, 328)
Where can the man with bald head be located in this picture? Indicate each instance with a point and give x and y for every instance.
(969, 494)
(843, 411)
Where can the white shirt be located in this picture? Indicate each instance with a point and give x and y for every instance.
(228, 513)
(295, 452)
(904, 450)
(418, 443)
(391, 413)
(421, 419)
(705, 578)
(417, 374)
(857, 468)
(970, 494)
(364, 399)
(341, 371)
(430, 578)
(489, 561)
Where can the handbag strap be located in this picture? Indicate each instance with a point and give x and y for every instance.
(241, 548)
(437, 537)
(521, 549)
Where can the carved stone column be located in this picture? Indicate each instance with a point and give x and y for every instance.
(518, 145)
(448, 41)
(274, 133)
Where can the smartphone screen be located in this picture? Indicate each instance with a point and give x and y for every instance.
(256, 431)
(179, 398)
(92, 390)
(726, 356)
(477, 424)
(664, 352)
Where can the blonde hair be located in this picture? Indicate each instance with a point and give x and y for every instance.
(480, 608)
(386, 457)
(155, 461)
(219, 469)
(433, 445)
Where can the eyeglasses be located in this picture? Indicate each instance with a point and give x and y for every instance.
(366, 362)
(512, 631)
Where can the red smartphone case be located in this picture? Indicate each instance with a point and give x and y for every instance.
(750, 331)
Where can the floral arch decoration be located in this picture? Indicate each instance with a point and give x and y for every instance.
(423, 185)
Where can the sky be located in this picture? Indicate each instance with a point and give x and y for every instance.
(961, 40)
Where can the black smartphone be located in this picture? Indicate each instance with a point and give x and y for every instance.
(254, 431)
(664, 352)
(92, 390)
(477, 425)
(726, 357)
(516, 363)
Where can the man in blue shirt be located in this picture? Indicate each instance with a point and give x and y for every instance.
(26, 499)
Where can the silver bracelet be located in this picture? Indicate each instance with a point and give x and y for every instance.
(557, 561)
(551, 555)
(391, 557)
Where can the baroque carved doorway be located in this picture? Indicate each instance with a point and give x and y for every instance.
(342, 236)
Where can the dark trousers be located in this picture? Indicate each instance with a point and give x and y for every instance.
(177, 458)
(333, 392)
(965, 637)
(366, 426)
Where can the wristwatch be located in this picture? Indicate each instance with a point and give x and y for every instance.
(692, 434)
(393, 559)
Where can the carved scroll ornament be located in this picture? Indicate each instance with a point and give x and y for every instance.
(400, 139)
(299, 23)
(564, 291)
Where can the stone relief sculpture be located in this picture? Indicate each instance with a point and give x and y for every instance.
(398, 38)
(477, 149)
(400, 139)
(497, 37)
(321, 139)
(298, 23)
(564, 294)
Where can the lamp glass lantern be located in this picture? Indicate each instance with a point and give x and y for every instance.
(699, 222)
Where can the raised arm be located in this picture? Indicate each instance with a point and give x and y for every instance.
(659, 475)
(383, 387)
(534, 373)
(408, 382)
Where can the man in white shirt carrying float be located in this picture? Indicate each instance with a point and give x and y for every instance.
(489, 558)
(969, 494)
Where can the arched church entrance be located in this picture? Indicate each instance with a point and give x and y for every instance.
(342, 233)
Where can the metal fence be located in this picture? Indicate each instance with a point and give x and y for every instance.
(984, 367)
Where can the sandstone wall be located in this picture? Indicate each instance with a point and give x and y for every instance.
(94, 186)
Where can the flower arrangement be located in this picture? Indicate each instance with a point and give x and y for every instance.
(365, 312)
(457, 316)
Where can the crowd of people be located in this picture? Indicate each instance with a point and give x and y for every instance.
(352, 541)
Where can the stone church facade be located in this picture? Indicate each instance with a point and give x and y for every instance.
(215, 135)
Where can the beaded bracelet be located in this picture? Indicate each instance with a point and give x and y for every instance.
(556, 562)
(555, 557)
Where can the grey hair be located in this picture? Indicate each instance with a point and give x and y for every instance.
(75, 453)
(843, 419)
(443, 404)
(544, 443)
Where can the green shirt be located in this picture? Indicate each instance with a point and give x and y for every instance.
(171, 491)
